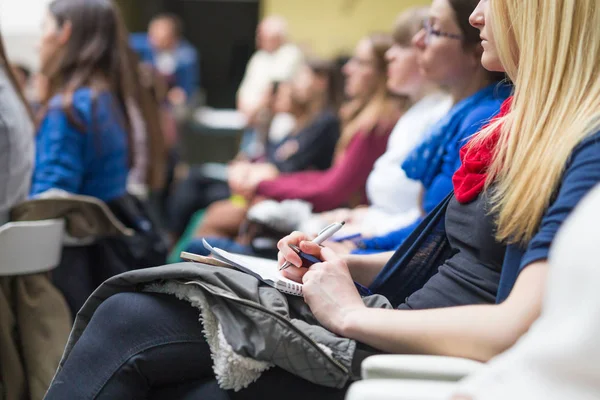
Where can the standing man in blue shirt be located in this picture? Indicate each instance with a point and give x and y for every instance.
(175, 58)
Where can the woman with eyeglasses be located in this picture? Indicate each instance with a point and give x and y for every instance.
(521, 177)
(448, 56)
(448, 50)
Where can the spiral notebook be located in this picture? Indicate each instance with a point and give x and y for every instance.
(262, 269)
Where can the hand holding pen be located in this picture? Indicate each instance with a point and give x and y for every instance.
(321, 237)
(308, 259)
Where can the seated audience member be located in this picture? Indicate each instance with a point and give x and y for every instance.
(33, 314)
(521, 177)
(363, 140)
(276, 60)
(176, 60)
(393, 198)
(312, 97)
(83, 141)
(476, 98)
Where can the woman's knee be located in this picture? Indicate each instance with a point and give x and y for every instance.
(146, 315)
(222, 219)
(121, 311)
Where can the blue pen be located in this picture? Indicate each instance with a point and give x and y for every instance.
(309, 260)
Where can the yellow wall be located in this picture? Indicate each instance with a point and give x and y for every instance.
(329, 27)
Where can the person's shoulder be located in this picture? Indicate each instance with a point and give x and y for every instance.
(432, 106)
(327, 117)
(82, 103)
(139, 41)
(588, 149)
(187, 51)
(482, 113)
(591, 140)
(290, 50)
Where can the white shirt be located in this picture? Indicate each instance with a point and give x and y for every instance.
(559, 358)
(265, 68)
(394, 198)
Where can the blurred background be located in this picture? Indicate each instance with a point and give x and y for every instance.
(223, 31)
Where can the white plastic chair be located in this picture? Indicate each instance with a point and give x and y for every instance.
(30, 247)
(410, 377)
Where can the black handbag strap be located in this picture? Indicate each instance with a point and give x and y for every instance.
(417, 259)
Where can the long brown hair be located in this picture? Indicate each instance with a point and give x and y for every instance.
(13, 80)
(331, 99)
(93, 57)
(144, 96)
(381, 109)
(335, 82)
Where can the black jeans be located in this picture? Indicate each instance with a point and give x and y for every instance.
(151, 346)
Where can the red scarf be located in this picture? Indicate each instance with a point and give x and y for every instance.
(470, 178)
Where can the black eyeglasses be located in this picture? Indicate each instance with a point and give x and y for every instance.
(428, 27)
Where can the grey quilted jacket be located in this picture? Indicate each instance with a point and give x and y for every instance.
(249, 325)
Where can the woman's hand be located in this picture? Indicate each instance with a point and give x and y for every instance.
(257, 173)
(328, 288)
(303, 241)
(236, 175)
(330, 293)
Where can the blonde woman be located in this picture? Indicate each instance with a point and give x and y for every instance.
(520, 179)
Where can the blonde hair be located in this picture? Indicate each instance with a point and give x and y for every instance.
(551, 50)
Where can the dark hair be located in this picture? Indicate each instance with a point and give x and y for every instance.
(335, 81)
(148, 101)
(95, 56)
(462, 11)
(12, 78)
(175, 21)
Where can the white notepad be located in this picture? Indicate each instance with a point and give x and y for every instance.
(262, 269)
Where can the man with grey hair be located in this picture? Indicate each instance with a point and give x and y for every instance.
(275, 60)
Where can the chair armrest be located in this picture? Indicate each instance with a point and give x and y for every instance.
(30, 247)
(434, 368)
(387, 389)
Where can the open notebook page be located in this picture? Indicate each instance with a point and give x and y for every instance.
(264, 269)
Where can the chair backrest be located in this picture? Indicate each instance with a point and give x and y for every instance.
(30, 247)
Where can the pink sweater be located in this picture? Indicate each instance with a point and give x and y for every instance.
(329, 189)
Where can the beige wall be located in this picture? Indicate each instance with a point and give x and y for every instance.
(20, 23)
(328, 27)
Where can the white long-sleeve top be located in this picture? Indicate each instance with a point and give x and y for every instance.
(393, 197)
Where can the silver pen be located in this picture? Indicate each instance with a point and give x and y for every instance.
(321, 237)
